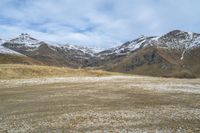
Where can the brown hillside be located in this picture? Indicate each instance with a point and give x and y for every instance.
(14, 59)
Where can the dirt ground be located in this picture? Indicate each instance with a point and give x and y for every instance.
(100, 104)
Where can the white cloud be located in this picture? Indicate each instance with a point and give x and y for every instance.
(96, 23)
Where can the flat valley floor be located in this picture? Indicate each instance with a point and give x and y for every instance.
(100, 104)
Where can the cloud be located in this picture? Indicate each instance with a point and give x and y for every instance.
(96, 23)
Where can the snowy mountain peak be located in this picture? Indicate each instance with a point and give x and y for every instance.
(179, 40)
(175, 32)
(178, 34)
(176, 39)
(26, 39)
(24, 35)
(134, 45)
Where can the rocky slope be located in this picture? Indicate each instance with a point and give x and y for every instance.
(173, 54)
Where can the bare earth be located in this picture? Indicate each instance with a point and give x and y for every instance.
(100, 104)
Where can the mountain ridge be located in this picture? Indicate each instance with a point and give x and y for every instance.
(170, 53)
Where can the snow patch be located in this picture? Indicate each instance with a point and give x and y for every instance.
(85, 50)
(182, 56)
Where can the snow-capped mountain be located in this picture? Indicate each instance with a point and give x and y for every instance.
(179, 40)
(25, 44)
(174, 40)
(149, 55)
(51, 53)
(130, 46)
(26, 40)
(175, 53)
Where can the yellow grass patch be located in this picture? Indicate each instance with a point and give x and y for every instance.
(13, 71)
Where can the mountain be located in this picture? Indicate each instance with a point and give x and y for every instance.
(175, 54)
(51, 53)
(176, 39)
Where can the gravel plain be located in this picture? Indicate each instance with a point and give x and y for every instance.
(100, 104)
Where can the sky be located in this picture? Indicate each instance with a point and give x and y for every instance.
(96, 23)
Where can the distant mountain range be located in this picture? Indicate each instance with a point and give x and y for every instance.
(175, 54)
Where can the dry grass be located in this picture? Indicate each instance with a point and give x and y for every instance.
(13, 59)
(16, 71)
(100, 104)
